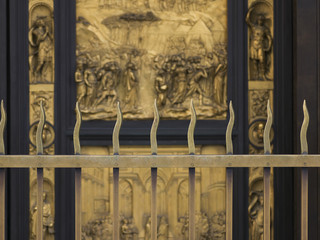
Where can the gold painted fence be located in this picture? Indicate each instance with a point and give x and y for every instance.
(154, 161)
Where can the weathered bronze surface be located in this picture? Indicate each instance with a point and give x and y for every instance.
(41, 79)
(41, 41)
(171, 196)
(260, 22)
(259, 19)
(136, 51)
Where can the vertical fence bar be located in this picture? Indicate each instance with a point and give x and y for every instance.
(304, 203)
(78, 203)
(77, 176)
(39, 144)
(229, 177)
(192, 174)
(39, 204)
(2, 203)
(304, 174)
(116, 225)
(2, 175)
(116, 151)
(266, 225)
(154, 151)
(266, 177)
(154, 203)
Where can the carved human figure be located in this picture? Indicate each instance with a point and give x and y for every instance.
(220, 82)
(131, 81)
(260, 43)
(147, 235)
(255, 212)
(203, 227)
(185, 229)
(163, 229)
(194, 80)
(161, 89)
(90, 80)
(181, 81)
(125, 231)
(40, 38)
(133, 229)
(81, 86)
(47, 219)
(108, 85)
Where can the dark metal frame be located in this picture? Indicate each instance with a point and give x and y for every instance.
(14, 68)
(169, 133)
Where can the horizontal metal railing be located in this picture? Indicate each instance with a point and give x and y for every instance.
(154, 161)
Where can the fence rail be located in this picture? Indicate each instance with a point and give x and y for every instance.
(154, 161)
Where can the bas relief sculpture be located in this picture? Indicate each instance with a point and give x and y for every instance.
(172, 200)
(41, 44)
(138, 51)
(260, 26)
(41, 88)
(259, 20)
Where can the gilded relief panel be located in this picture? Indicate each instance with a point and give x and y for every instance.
(259, 20)
(41, 89)
(138, 51)
(172, 198)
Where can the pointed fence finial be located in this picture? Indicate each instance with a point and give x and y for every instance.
(267, 130)
(304, 129)
(2, 127)
(192, 125)
(116, 131)
(154, 128)
(76, 131)
(229, 144)
(39, 140)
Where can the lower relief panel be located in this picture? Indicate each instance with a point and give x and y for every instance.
(135, 198)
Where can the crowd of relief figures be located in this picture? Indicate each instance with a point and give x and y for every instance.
(206, 228)
(138, 51)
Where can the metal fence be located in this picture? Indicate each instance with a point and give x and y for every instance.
(154, 161)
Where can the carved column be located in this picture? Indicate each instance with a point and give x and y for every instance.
(260, 21)
(41, 85)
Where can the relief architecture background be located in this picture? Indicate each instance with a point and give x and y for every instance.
(136, 51)
(41, 88)
(259, 20)
(172, 198)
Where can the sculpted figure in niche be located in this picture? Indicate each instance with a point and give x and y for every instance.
(47, 220)
(255, 212)
(260, 43)
(41, 40)
(163, 229)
